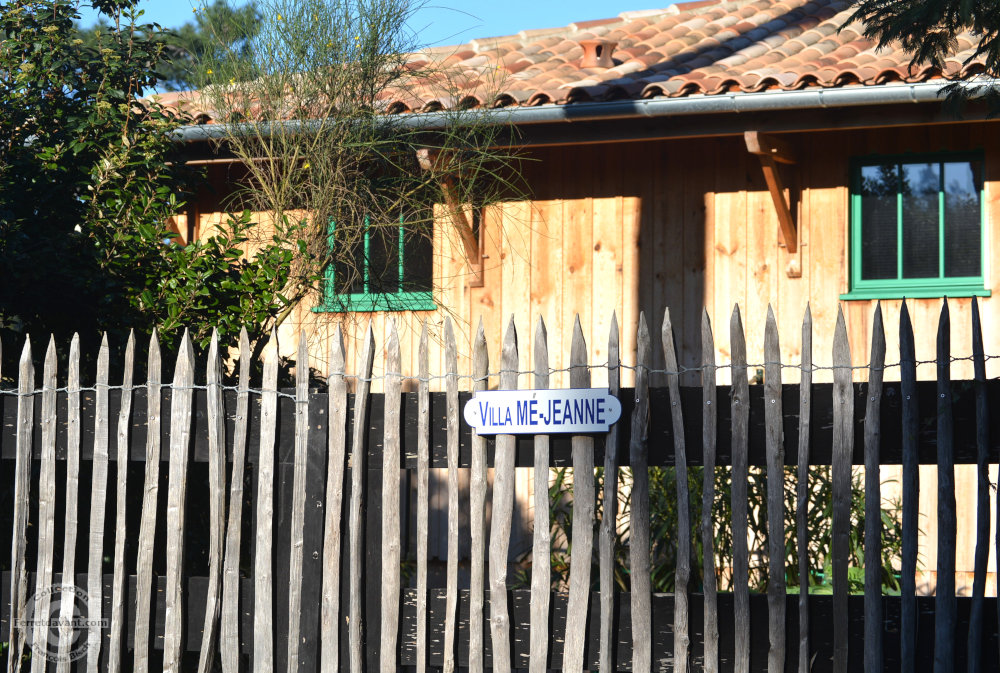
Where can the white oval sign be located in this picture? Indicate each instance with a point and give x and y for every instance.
(542, 412)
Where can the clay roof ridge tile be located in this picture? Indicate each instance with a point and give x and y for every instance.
(578, 26)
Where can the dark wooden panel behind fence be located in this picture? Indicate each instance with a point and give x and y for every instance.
(305, 572)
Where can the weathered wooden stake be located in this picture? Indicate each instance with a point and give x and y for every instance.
(709, 422)
(263, 595)
(356, 511)
(98, 502)
(216, 503)
(584, 498)
(180, 441)
(22, 495)
(477, 509)
(682, 640)
(66, 633)
(46, 504)
(843, 449)
(390, 504)
(802, 490)
(229, 635)
(945, 604)
(300, 465)
(911, 493)
(740, 413)
(423, 492)
(975, 647)
(118, 594)
(775, 440)
(638, 552)
(451, 578)
(150, 493)
(541, 570)
(337, 451)
(609, 516)
(503, 512)
(873, 500)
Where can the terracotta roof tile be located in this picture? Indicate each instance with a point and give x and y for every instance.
(706, 47)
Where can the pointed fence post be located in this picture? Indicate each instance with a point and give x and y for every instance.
(150, 494)
(180, 442)
(356, 511)
(118, 593)
(299, 477)
(46, 505)
(584, 501)
(263, 595)
(423, 492)
(503, 512)
(982, 495)
(477, 510)
(911, 493)
(390, 505)
(609, 516)
(843, 450)
(337, 450)
(740, 413)
(638, 544)
(775, 440)
(229, 634)
(709, 422)
(802, 489)
(945, 604)
(98, 502)
(22, 495)
(873, 499)
(451, 572)
(71, 524)
(682, 640)
(541, 567)
(217, 502)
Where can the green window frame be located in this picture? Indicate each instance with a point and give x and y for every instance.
(871, 259)
(371, 298)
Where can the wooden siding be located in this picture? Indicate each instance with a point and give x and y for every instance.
(636, 227)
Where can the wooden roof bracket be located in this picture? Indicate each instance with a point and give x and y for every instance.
(457, 212)
(772, 151)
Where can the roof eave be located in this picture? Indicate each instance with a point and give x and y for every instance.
(729, 103)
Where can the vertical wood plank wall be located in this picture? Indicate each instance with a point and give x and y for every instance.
(687, 223)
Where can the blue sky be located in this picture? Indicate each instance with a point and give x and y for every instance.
(443, 22)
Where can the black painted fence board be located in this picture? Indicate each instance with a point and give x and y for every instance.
(660, 433)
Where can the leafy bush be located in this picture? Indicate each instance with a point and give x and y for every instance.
(89, 181)
(663, 529)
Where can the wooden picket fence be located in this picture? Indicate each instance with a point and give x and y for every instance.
(295, 608)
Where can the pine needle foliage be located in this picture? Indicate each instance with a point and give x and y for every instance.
(308, 112)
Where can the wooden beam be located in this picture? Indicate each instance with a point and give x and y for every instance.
(770, 151)
(764, 144)
(432, 160)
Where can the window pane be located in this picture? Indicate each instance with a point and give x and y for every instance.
(418, 257)
(921, 184)
(878, 222)
(349, 261)
(383, 259)
(962, 219)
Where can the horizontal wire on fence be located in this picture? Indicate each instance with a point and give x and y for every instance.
(13, 392)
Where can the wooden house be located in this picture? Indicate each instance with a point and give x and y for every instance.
(713, 154)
